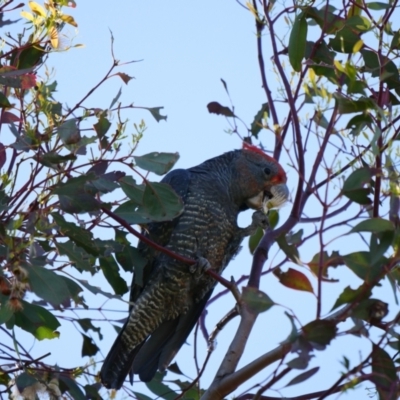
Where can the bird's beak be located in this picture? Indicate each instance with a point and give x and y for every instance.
(279, 194)
(273, 198)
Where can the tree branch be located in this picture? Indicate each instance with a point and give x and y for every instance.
(229, 285)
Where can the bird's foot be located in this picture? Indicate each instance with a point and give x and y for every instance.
(201, 266)
(259, 220)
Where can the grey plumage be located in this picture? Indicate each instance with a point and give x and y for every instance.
(164, 310)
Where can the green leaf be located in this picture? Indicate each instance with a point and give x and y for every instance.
(142, 396)
(190, 392)
(357, 179)
(256, 300)
(107, 247)
(23, 142)
(4, 103)
(52, 159)
(215, 108)
(125, 77)
(327, 20)
(160, 202)
(345, 40)
(359, 122)
(378, 5)
(348, 106)
(225, 86)
(160, 389)
(256, 125)
(374, 225)
(101, 127)
(371, 310)
(355, 9)
(111, 272)
(74, 184)
(86, 325)
(349, 295)
(52, 87)
(5, 311)
(37, 320)
(320, 119)
(5, 379)
(75, 197)
(155, 112)
(73, 288)
(390, 75)
(116, 98)
(128, 211)
(297, 41)
(150, 202)
(384, 373)
(290, 250)
(80, 147)
(103, 185)
(371, 61)
(355, 86)
(4, 250)
(25, 380)
(78, 203)
(353, 187)
(78, 256)
(68, 19)
(134, 191)
(29, 57)
(159, 163)
(294, 279)
(273, 218)
(300, 362)
(68, 384)
(255, 239)
(359, 23)
(395, 45)
(320, 331)
(320, 53)
(130, 257)
(92, 391)
(380, 243)
(80, 236)
(68, 132)
(361, 264)
(48, 285)
(89, 348)
(295, 238)
(98, 168)
(293, 335)
(174, 367)
(327, 72)
(97, 290)
(303, 376)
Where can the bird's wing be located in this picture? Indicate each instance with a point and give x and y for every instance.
(163, 344)
(119, 360)
(159, 232)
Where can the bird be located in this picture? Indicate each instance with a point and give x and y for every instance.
(166, 306)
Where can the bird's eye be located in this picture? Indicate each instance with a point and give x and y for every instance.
(267, 171)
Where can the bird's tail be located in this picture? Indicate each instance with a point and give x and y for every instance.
(118, 362)
(146, 315)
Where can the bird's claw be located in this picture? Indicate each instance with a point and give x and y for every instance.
(202, 265)
(260, 220)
